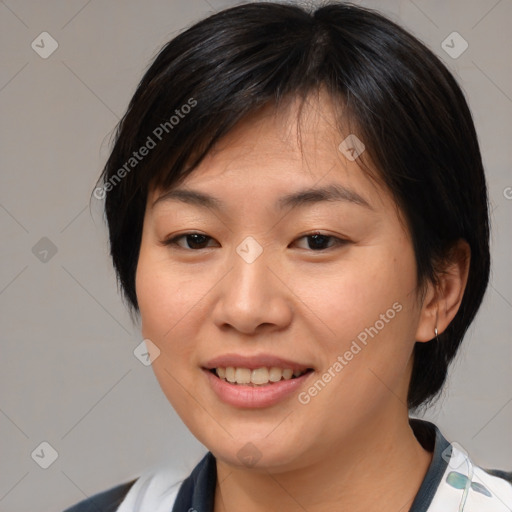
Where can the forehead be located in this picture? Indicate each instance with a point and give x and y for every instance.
(275, 151)
(296, 131)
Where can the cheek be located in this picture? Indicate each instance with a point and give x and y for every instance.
(353, 295)
(166, 301)
(367, 310)
(164, 294)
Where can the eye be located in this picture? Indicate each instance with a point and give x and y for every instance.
(317, 241)
(193, 240)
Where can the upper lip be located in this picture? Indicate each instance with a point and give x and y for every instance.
(253, 362)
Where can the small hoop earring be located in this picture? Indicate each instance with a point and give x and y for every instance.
(435, 332)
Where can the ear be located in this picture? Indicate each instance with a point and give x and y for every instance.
(441, 302)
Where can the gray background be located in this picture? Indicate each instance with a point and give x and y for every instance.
(68, 373)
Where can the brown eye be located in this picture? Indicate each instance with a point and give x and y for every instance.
(319, 242)
(192, 240)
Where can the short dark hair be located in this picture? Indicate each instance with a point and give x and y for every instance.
(408, 108)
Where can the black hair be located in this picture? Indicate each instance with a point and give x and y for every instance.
(409, 110)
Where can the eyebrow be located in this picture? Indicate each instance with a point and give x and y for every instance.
(332, 192)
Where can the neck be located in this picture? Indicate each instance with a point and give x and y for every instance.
(382, 463)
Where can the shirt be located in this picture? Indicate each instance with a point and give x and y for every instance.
(452, 484)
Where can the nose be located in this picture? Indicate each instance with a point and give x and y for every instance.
(252, 297)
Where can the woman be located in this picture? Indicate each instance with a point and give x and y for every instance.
(297, 210)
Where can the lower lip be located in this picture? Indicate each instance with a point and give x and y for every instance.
(240, 395)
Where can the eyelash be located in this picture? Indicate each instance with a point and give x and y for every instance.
(174, 241)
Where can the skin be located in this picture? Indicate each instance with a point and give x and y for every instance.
(351, 447)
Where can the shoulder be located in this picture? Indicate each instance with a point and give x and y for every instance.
(454, 479)
(505, 475)
(490, 490)
(106, 501)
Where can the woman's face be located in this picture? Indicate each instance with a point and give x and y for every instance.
(255, 289)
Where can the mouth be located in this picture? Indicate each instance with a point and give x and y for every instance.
(257, 380)
(257, 377)
(258, 387)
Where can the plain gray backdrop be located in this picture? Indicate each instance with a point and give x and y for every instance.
(68, 373)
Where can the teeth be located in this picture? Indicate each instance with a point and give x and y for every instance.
(287, 374)
(242, 375)
(230, 374)
(258, 377)
(275, 374)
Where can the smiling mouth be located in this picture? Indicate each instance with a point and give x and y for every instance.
(257, 377)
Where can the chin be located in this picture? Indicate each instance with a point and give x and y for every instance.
(258, 452)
